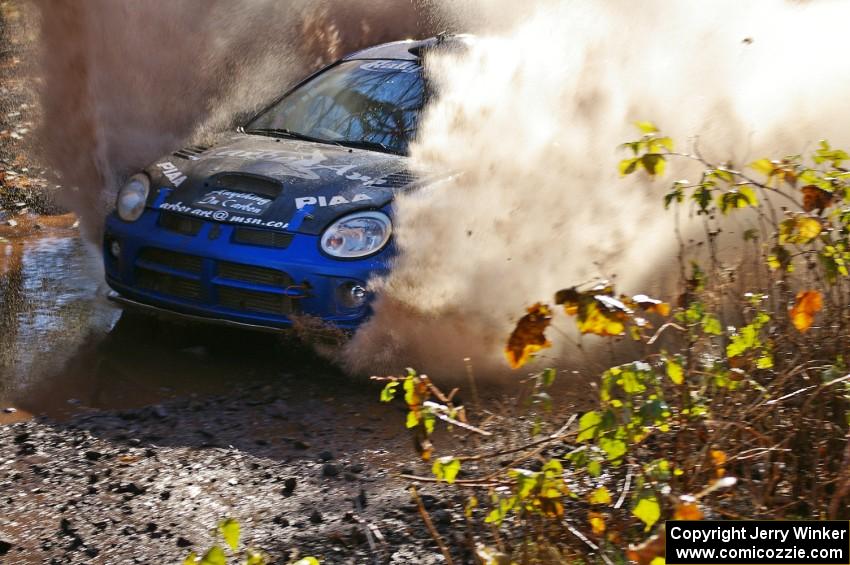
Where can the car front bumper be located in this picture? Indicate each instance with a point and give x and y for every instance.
(208, 271)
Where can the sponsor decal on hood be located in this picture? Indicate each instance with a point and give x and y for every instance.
(267, 181)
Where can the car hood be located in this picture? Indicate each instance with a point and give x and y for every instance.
(275, 183)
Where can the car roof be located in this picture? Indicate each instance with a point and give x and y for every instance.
(411, 49)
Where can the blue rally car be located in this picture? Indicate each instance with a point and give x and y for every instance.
(289, 215)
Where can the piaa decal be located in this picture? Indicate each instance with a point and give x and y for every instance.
(172, 172)
(322, 201)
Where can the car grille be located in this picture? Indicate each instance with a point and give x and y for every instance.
(181, 276)
(265, 238)
(254, 301)
(179, 261)
(179, 223)
(168, 284)
(251, 274)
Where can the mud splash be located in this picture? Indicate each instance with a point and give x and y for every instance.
(531, 118)
(126, 82)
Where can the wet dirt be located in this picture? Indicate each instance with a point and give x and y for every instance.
(124, 441)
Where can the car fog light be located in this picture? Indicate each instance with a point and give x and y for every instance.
(115, 249)
(352, 295)
(358, 293)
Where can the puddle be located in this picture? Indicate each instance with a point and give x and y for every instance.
(64, 348)
(49, 305)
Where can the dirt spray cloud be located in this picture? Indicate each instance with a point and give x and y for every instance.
(531, 118)
(126, 81)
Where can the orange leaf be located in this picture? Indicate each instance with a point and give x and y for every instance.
(570, 299)
(651, 304)
(687, 511)
(528, 337)
(815, 198)
(719, 458)
(644, 553)
(597, 522)
(807, 304)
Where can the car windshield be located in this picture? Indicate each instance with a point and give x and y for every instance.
(372, 104)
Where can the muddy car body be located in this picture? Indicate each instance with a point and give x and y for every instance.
(289, 215)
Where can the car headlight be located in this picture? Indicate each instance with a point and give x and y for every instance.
(357, 235)
(132, 198)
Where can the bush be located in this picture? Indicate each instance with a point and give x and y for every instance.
(738, 407)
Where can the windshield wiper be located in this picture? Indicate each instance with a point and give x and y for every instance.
(367, 144)
(275, 132)
(356, 143)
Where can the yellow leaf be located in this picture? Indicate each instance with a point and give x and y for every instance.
(763, 166)
(674, 371)
(799, 229)
(646, 127)
(809, 228)
(687, 511)
(597, 322)
(648, 510)
(600, 496)
(597, 522)
(807, 304)
(230, 531)
(528, 337)
(628, 166)
(748, 193)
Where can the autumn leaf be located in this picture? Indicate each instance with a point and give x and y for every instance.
(815, 198)
(719, 459)
(648, 551)
(653, 163)
(598, 321)
(230, 531)
(597, 522)
(647, 510)
(446, 469)
(651, 305)
(687, 511)
(740, 197)
(600, 496)
(806, 305)
(628, 166)
(675, 371)
(570, 299)
(764, 166)
(646, 127)
(809, 228)
(799, 230)
(597, 310)
(214, 556)
(528, 337)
